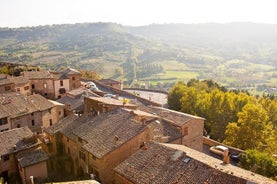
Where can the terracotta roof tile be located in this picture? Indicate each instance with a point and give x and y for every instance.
(5, 81)
(111, 101)
(16, 139)
(108, 131)
(73, 124)
(16, 104)
(162, 164)
(42, 74)
(32, 156)
(175, 117)
(19, 80)
(70, 71)
(61, 124)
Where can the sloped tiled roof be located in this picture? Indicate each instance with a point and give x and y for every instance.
(40, 102)
(19, 80)
(111, 101)
(158, 163)
(175, 117)
(16, 104)
(109, 81)
(162, 131)
(70, 71)
(5, 82)
(108, 131)
(61, 124)
(42, 74)
(16, 139)
(32, 156)
(58, 76)
(74, 124)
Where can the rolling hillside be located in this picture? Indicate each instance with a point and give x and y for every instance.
(235, 54)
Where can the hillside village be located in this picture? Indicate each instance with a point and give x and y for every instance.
(60, 127)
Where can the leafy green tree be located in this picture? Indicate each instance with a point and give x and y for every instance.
(252, 129)
(174, 96)
(259, 162)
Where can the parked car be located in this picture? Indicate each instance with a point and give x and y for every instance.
(109, 95)
(235, 157)
(94, 88)
(90, 85)
(219, 149)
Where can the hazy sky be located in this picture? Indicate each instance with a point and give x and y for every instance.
(16, 13)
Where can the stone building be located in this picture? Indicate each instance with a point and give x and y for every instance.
(74, 77)
(41, 82)
(190, 126)
(94, 105)
(21, 154)
(172, 163)
(53, 85)
(61, 84)
(6, 85)
(112, 83)
(34, 111)
(21, 85)
(97, 144)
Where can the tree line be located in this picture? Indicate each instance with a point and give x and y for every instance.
(233, 117)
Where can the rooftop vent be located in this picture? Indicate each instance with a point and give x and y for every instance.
(186, 160)
(178, 154)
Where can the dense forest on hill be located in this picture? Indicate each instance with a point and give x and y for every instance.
(237, 55)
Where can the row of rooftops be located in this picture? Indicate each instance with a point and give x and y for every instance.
(41, 74)
(15, 104)
(171, 163)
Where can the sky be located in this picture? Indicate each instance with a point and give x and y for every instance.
(21, 13)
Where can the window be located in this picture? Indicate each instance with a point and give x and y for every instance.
(18, 125)
(79, 139)
(94, 157)
(33, 86)
(3, 121)
(33, 122)
(73, 78)
(50, 122)
(6, 157)
(60, 112)
(49, 111)
(82, 156)
(26, 88)
(32, 114)
(4, 130)
(45, 94)
(7, 88)
(18, 89)
(186, 130)
(62, 90)
(61, 83)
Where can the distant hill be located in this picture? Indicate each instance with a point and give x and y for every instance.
(242, 54)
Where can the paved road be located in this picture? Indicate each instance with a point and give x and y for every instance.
(160, 98)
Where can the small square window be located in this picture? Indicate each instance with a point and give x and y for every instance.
(6, 157)
(7, 88)
(33, 122)
(33, 86)
(18, 125)
(50, 122)
(61, 83)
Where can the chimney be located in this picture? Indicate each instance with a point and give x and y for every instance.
(116, 138)
(226, 156)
